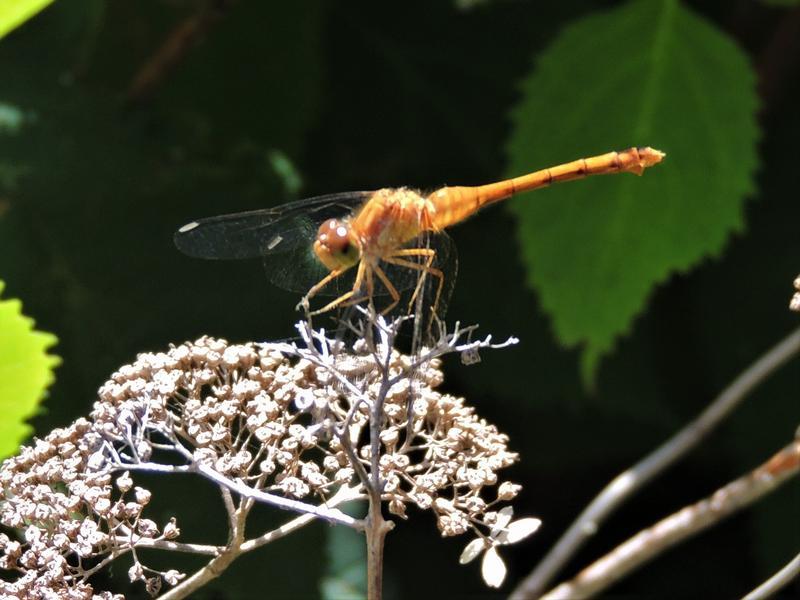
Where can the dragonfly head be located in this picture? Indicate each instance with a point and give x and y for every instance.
(336, 246)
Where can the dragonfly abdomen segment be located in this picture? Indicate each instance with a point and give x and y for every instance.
(454, 204)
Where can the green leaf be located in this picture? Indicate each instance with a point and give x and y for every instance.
(646, 74)
(14, 13)
(347, 565)
(25, 372)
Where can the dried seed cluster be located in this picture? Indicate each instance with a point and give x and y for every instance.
(257, 416)
(67, 514)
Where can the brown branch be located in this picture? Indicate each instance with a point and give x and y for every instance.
(689, 521)
(376, 529)
(185, 36)
(627, 483)
(777, 582)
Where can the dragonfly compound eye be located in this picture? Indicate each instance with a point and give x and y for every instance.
(336, 246)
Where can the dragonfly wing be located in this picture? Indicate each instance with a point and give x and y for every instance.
(282, 236)
(292, 265)
(255, 233)
(445, 260)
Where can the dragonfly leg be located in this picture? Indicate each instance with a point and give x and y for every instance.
(389, 287)
(344, 297)
(322, 283)
(425, 268)
(370, 285)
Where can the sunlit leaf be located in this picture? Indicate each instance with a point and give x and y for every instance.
(493, 569)
(522, 528)
(25, 372)
(504, 515)
(649, 73)
(14, 13)
(473, 549)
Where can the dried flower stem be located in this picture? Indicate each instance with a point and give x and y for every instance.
(376, 526)
(246, 491)
(689, 521)
(226, 555)
(628, 482)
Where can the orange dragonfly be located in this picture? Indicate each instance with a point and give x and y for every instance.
(346, 244)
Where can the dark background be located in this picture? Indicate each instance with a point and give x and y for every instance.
(359, 96)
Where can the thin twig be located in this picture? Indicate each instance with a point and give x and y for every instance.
(162, 544)
(331, 515)
(211, 571)
(225, 555)
(230, 507)
(628, 482)
(344, 494)
(174, 49)
(689, 521)
(777, 582)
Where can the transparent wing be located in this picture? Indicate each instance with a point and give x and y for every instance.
(406, 279)
(282, 236)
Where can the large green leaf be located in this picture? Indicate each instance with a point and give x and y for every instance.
(647, 73)
(25, 372)
(14, 13)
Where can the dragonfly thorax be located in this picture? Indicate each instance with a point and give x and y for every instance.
(336, 246)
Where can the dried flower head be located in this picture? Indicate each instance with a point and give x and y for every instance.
(273, 423)
(794, 303)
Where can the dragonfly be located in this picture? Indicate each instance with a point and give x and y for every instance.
(357, 246)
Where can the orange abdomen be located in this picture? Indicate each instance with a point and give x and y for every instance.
(454, 204)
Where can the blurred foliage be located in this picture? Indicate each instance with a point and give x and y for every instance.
(15, 12)
(273, 100)
(346, 559)
(644, 74)
(26, 370)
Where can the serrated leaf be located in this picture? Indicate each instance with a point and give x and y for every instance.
(647, 73)
(347, 564)
(26, 370)
(14, 13)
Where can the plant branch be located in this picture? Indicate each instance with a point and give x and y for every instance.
(376, 529)
(376, 526)
(630, 481)
(777, 582)
(174, 50)
(211, 571)
(689, 521)
(331, 515)
(161, 544)
(344, 494)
